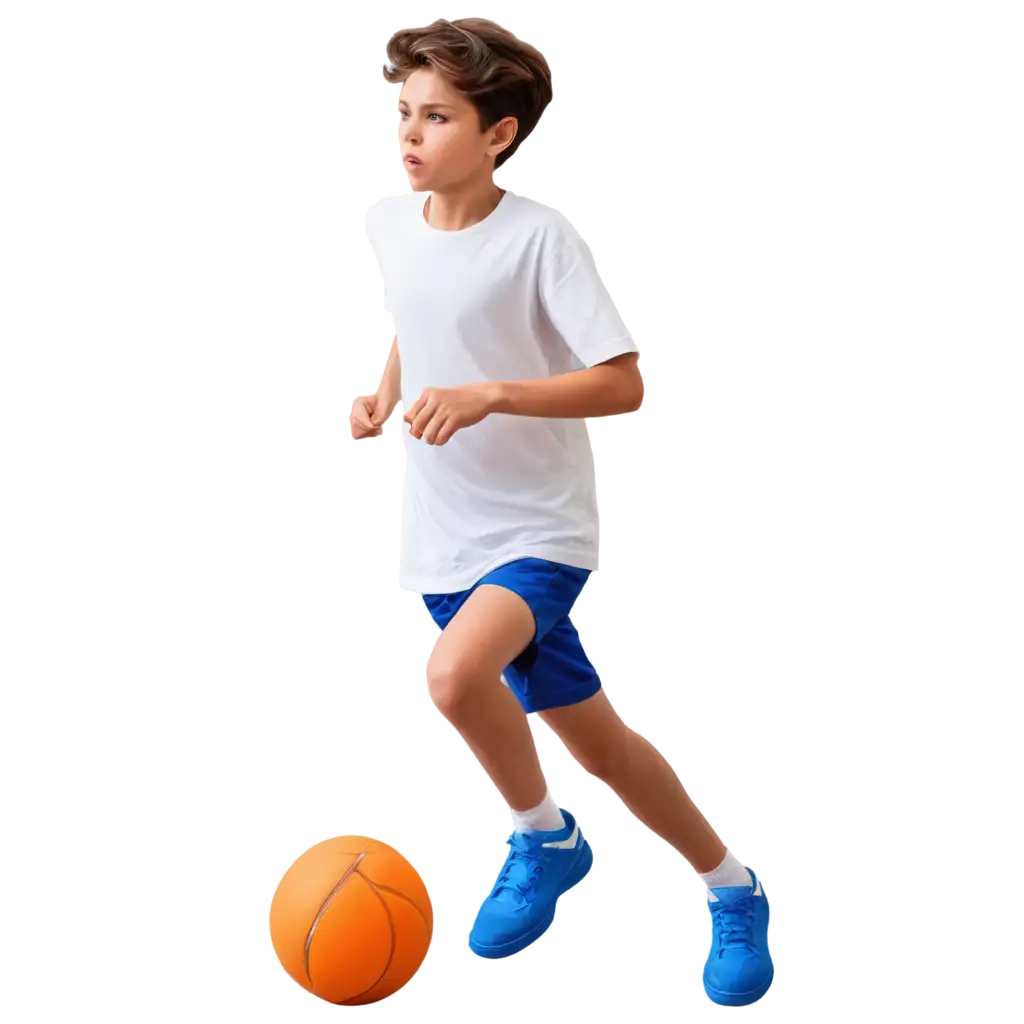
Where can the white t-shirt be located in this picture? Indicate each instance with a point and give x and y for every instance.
(515, 296)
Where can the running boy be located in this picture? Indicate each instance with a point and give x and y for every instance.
(509, 341)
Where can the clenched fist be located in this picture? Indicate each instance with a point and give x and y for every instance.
(369, 413)
(439, 412)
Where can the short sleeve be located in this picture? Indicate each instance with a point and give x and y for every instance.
(373, 233)
(579, 306)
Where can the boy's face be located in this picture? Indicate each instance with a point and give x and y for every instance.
(441, 127)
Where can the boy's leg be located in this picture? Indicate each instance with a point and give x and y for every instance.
(490, 630)
(739, 968)
(643, 779)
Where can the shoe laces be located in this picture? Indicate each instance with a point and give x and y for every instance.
(735, 924)
(527, 868)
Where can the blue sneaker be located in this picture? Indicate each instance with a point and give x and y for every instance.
(739, 967)
(521, 906)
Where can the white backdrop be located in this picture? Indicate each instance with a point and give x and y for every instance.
(777, 506)
(855, 269)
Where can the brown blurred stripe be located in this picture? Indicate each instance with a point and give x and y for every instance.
(827, 390)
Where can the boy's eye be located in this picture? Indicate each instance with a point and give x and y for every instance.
(436, 118)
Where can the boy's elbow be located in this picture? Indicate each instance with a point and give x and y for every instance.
(633, 392)
(629, 387)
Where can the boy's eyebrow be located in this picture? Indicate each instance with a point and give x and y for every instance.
(447, 106)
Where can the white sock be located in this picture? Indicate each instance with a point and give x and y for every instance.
(729, 872)
(545, 817)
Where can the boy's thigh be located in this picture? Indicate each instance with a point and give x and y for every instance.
(525, 619)
(487, 630)
(554, 672)
(549, 588)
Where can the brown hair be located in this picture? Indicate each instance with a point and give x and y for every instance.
(498, 73)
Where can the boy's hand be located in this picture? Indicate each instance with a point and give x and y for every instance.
(368, 416)
(439, 412)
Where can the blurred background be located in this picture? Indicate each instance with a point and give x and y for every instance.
(813, 528)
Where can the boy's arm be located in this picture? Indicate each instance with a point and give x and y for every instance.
(371, 417)
(607, 389)
(581, 311)
(390, 390)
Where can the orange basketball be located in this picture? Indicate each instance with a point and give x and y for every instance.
(351, 920)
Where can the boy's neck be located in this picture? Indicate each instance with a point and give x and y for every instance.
(453, 211)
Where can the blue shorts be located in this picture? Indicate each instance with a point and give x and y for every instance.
(553, 671)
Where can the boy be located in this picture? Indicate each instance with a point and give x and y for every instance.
(509, 340)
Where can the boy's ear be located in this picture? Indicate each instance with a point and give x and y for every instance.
(503, 135)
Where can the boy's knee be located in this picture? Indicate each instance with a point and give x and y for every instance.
(448, 683)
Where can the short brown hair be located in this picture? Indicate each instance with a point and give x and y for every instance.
(498, 73)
